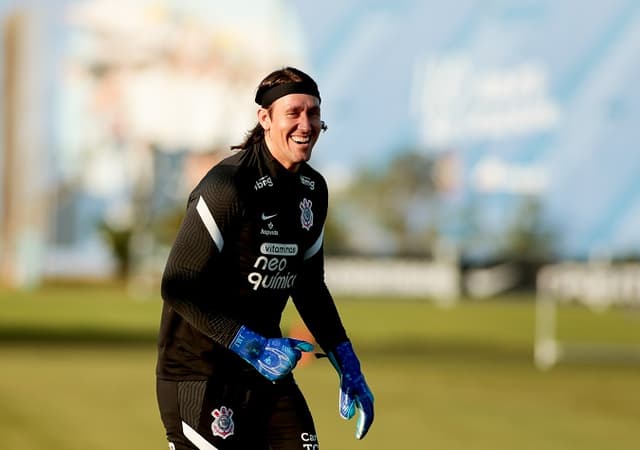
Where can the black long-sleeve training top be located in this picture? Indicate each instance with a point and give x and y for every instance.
(250, 239)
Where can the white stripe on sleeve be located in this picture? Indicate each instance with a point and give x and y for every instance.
(315, 247)
(210, 223)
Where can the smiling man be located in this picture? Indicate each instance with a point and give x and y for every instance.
(250, 239)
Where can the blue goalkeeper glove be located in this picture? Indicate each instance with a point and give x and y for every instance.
(273, 358)
(354, 392)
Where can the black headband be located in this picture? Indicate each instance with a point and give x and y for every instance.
(270, 95)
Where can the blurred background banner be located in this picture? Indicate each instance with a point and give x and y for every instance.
(477, 134)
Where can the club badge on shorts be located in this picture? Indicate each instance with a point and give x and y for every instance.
(222, 424)
(306, 217)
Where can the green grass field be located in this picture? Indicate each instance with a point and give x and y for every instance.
(77, 373)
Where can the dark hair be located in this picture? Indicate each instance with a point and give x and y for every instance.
(275, 78)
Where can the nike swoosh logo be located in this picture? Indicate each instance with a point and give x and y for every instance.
(265, 217)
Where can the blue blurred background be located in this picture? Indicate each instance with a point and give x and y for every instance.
(518, 119)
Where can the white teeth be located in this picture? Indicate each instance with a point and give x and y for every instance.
(300, 140)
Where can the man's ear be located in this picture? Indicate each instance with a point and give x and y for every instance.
(264, 119)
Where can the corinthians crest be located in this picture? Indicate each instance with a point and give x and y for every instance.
(306, 217)
(222, 424)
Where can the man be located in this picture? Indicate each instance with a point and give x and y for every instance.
(251, 238)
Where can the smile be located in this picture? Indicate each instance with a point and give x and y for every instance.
(301, 140)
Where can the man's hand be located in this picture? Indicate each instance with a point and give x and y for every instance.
(354, 392)
(273, 358)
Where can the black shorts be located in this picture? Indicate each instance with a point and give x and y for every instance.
(236, 414)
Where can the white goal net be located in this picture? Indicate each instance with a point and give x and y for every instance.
(599, 288)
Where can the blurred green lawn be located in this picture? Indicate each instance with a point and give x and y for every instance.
(77, 373)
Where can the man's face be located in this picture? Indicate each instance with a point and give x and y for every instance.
(292, 127)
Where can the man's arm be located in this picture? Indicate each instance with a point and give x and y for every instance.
(315, 303)
(194, 261)
(317, 309)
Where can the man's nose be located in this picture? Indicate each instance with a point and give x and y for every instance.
(304, 122)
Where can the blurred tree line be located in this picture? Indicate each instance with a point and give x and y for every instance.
(389, 211)
(408, 201)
